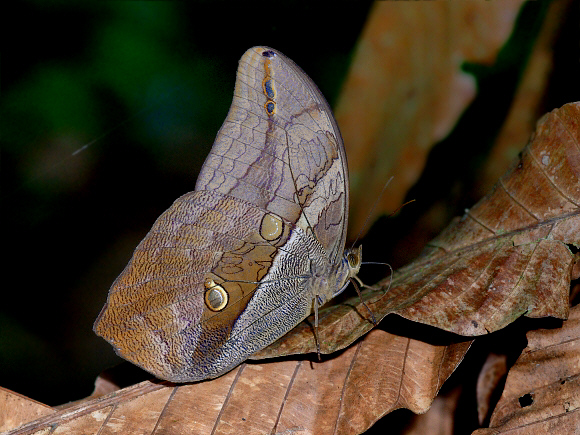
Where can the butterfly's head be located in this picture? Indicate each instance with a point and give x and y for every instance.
(349, 268)
(353, 258)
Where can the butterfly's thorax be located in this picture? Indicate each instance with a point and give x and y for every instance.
(328, 279)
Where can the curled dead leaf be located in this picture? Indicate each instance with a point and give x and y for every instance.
(492, 373)
(541, 391)
(416, 88)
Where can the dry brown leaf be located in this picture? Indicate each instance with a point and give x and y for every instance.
(508, 256)
(493, 371)
(407, 68)
(16, 410)
(345, 395)
(542, 391)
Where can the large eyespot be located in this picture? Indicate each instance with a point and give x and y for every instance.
(216, 297)
(271, 227)
(269, 54)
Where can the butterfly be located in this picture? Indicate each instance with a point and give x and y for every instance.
(257, 246)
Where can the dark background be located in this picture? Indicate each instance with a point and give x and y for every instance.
(108, 111)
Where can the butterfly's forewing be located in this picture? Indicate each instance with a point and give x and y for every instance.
(228, 268)
(280, 139)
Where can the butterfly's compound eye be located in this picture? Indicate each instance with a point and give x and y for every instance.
(352, 260)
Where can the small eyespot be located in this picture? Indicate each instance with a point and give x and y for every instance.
(269, 54)
(216, 297)
(270, 107)
(268, 89)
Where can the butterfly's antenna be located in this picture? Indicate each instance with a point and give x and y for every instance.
(371, 212)
(401, 206)
(374, 287)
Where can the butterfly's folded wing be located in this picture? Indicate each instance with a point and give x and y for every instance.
(277, 168)
(156, 315)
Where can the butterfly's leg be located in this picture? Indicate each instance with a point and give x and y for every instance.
(355, 282)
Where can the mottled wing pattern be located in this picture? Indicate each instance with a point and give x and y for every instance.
(155, 315)
(279, 138)
(277, 167)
